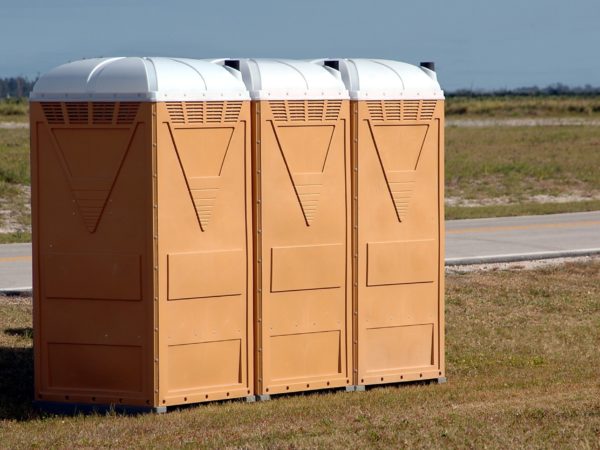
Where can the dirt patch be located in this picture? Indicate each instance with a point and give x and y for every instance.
(520, 265)
(15, 211)
(540, 198)
(13, 125)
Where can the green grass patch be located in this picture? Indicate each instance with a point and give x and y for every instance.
(519, 209)
(14, 156)
(15, 237)
(15, 216)
(523, 106)
(14, 110)
(522, 364)
(519, 162)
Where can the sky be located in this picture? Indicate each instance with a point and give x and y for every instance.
(475, 44)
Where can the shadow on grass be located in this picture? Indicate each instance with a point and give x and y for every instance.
(16, 381)
(25, 332)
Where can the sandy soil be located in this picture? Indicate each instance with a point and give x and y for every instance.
(518, 265)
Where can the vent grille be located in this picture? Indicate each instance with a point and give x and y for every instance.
(53, 112)
(401, 109)
(77, 113)
(305, 110)
(127, 113)
(204, 112)
(100, 113)
(427, 109)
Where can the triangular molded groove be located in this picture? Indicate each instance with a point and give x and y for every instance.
(201, 153)
(305, 150)
(91, 159)
(399, 149)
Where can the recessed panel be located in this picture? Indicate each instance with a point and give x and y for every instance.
(307, 267)
(305, 355)
(204, 365)
(105, 276)
(95, 367)
(402, 262)
(206, 274)
(396, 348)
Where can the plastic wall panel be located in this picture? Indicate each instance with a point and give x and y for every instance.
(204, 249)
(302, 232)
(92, 254)
(398, 217)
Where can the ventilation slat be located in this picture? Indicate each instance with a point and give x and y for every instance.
(102, 112)
(305, 110)
(77, 112)
(90, 113)
(401, 109)
(204, 112)
(127, 112)
(54, 113)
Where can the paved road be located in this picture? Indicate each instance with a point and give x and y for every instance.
(15, 266)
(467, 242)
(526, 237)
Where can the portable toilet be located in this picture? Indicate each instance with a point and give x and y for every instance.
(142, 234)
(300, 133)
(397, 116)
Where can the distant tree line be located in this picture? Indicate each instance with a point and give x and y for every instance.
(557, 89)
(16, 87)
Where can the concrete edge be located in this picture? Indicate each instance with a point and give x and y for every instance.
(515, 257)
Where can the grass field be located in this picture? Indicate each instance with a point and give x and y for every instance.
(490, 171)
(523, 106)
(497, 171)
(522, 356)
(14, 110)
(15, 217)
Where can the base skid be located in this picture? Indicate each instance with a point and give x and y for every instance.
(70, 409)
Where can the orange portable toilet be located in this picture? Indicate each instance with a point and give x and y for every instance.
(397, 113)
(301, 167)
(142, 234)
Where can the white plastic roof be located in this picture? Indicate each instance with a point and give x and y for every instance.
(140, 79)
(286, 79)
(380, 79)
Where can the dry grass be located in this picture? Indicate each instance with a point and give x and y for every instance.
(15, 215)
(14, 110)
(522, 349)
(515, 164)
(523, 106)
